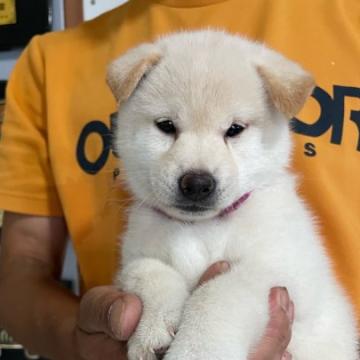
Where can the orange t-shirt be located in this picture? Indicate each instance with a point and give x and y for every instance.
(55, 156)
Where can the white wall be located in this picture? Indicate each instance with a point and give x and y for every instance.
(93, 8)
(7, 61)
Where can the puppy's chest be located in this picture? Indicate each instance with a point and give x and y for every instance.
(192, 249)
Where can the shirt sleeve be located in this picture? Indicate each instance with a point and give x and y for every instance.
(26, 181)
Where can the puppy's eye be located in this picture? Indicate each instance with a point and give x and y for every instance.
(166, 126)
(234, 130)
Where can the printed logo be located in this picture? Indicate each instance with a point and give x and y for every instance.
(331, 117)
(99, 128)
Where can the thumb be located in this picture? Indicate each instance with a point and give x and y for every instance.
(276, 338)
(108, 310)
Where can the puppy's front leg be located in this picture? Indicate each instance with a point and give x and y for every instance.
(163, 292)
(222, 319)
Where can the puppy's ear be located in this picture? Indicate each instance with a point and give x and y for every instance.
(125, 73)
(287, 84)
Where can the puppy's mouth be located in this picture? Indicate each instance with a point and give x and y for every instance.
(185, 213)
(193, 212)
(193, 208)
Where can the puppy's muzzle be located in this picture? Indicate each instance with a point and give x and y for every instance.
(197, 186)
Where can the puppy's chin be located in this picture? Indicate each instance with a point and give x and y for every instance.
(188, 214)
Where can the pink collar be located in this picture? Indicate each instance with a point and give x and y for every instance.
(234, 206)
(223, 213)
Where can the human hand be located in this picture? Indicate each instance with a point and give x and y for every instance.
(276, 338)
(107, 318)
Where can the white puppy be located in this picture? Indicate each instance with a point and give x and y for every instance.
(204, 137)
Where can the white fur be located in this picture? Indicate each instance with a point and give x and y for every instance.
(203, 82)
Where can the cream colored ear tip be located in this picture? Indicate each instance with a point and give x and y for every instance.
(109, 74)
(112, 80)
(309, 82)
(124, 74)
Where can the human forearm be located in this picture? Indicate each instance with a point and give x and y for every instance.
(49, 320)
(36, 310)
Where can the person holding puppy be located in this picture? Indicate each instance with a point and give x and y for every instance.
(57, 168)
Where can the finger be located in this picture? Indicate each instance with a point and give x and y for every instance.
(106, 310)
(99, 346)
(277, 334)
(286, 356)
(214, 270)
(291, 312)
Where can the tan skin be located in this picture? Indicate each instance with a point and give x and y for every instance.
(51, 321)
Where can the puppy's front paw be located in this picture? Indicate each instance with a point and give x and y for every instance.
(163, 292)
(154, 333)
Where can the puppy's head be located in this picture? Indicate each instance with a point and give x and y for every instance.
(203, 120)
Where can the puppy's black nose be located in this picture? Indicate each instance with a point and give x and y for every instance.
(197, 186)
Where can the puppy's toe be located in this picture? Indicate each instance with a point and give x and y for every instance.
(160, 353)
(149, 343)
